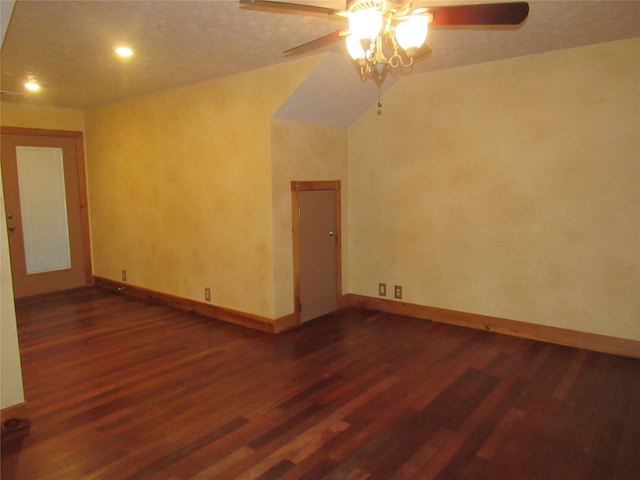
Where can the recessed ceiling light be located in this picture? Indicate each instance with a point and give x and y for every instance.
(124, 51)
(32, 86)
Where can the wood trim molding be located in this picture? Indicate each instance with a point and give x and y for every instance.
(562, 336)
(295, 235)
(297, 185)
(284, 323)
(16, 421)
(42, 132)
(243, 319)
(84, 209)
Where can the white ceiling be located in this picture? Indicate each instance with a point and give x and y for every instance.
(68, 45)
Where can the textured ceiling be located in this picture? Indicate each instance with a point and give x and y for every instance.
(68, 45)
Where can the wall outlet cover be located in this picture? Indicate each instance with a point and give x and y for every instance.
(397, 291)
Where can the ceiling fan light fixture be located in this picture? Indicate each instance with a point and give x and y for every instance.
(365, 24)
(412, 32)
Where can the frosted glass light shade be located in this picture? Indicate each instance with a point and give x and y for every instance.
(365, 24)
(412, 33)
(354, 47)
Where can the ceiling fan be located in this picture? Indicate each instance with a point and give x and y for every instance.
(384, 34)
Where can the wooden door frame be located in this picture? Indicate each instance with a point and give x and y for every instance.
(296, 187)
(82, 185)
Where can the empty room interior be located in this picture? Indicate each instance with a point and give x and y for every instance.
(222, 261)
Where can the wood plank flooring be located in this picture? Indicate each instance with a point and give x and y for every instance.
(123, 389)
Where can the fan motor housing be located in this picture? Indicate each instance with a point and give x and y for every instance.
(356, 5)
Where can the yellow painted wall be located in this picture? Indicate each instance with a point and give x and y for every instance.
(180, 188)
(305, 152)
(18, 114)
(510, 189)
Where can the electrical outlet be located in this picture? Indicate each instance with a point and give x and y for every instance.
(382, 289)
(124, 275)
(207, 294)
(397, 291)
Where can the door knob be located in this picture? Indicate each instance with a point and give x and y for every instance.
(331, 234)
(11, 228)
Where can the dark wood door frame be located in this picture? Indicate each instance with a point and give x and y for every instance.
(82, 185)
(296, 187)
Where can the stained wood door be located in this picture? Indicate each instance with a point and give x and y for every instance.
(318, 242)
(43, 184)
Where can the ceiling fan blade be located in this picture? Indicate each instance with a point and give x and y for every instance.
(291, 7)
(318, 42)
(10, 93)
(513, 13)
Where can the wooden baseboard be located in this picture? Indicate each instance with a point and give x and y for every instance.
(561, 336)
(16, 422)
(248, 320)
(287, 322)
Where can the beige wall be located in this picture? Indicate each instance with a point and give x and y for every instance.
(180, 188)
(510, 189)
(303, 152)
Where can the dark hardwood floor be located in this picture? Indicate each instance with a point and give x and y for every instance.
(123, 389)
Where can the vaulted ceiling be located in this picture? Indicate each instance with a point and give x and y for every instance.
(68, 47)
